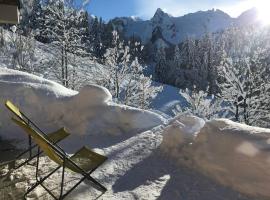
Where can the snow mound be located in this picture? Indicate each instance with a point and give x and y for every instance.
(51, 106)
(233, 154)
(236, 155)
(15, 78)
(180, 132)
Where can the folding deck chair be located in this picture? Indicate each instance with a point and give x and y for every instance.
(55, 137)
(84, 161)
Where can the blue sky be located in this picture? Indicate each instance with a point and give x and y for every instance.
(145, 9)
(108, 9)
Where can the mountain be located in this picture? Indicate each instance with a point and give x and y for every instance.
(175, 29)
(248, 17)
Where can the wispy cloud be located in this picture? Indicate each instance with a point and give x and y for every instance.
(147, 8)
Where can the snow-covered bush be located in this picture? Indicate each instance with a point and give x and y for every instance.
(199, 104)
(23, 51)
(18, 51)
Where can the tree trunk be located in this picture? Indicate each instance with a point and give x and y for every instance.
(237, 113)
(74, 72)
(116, 85)
(2, 42)
(143, 96)
(66, 67)
(245, 112)
(62, 67)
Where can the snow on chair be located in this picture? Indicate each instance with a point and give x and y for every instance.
(83, 162)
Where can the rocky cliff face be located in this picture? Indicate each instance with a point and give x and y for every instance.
(173, 30)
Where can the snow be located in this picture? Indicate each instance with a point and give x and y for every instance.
(148, 157)
(235, 155)
(17, 78)
(167, 99)
(52, 106)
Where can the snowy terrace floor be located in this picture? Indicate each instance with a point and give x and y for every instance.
(149, 157)
(136, 169)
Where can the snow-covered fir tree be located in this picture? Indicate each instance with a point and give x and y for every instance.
(177, 57)
(139, 89)
(160, 68)
(244, 90)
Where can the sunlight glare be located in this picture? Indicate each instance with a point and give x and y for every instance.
(263, 11)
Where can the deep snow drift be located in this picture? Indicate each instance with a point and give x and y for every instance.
(149, 157)
(50, 105)
(233, 154)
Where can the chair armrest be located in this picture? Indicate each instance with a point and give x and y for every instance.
(58, 135)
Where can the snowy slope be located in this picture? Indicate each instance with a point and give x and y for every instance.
(167, 99)
(176, 29)
(185, 158)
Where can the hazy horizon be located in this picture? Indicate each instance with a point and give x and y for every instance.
(146, 9)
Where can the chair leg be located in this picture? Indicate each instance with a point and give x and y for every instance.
(37, 164)
(71, 189)
(81, 180)
(96, 183)
(44, 187)
(26, 151)
(30, 152)
(30, 145)
(27, 161)
(63, 177)
(40, 182)
(62, 196)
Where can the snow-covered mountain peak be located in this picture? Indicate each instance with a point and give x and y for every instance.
(218, 11)
(248, 17)
(160, 13)
(252, 12)
(135, 18)
(207, 15)
(176, 29)
(160, 17)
